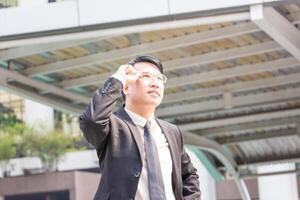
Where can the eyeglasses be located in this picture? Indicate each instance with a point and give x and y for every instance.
(148, 75)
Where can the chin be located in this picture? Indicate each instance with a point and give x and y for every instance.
(151, 101)
(155, 103)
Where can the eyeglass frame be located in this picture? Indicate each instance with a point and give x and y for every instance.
(158, 76)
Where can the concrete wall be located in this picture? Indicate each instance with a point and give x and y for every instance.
(74, 182)
(277, 187)
(71, 161)
(38, 116)
(78, 13)
(226, 190)
(45, 17)
(83, 185)
(86, 185)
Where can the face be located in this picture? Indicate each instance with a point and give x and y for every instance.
(146, 90)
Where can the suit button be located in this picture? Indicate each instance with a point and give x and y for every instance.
(137, 174)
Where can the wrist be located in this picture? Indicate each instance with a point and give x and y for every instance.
(120, 77)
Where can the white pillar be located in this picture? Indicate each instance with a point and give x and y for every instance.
(277, 187)
(38, 116)
(207, 183)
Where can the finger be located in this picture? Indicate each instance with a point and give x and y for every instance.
(131, 70)
(124, 68)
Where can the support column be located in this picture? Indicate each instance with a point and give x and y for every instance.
(277, 187)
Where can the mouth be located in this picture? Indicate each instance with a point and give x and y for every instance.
(154, 92)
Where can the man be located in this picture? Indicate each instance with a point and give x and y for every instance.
(141, 156)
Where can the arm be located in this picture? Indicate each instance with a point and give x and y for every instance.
(95, 120)
(190, 178)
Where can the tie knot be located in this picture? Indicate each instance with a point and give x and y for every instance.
(147, 125)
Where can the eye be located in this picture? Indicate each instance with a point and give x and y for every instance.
(146, 76)
(160, 78)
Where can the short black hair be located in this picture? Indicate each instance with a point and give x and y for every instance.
(147, 58)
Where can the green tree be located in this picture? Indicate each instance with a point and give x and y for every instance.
(16, 131)
(7, 117)
(50, 148)
(7, 151)
(9, 126)
(18, 140)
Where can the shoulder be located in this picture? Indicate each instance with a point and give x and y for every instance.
(166, 124)
(169, 126)
(172, 132)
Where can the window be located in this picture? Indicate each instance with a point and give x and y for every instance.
(59, 195)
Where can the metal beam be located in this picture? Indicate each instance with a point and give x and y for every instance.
(222, 55)
(23, 51)
(232, 72)
(295, 18)
(247, 127)
(234, 87)
(185, 62)
(257, 136)
(14, 76)
(63, 106)
(240, 101)
(121, 30)
(298, 128)
(143, 49)
(240, 120)
(255, 175)
(34, 49)
(272, 160)
(222, 155)
(277, 27)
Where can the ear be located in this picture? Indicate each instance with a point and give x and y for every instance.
(126, 89)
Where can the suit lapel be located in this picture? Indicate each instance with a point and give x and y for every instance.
(132, 126)
(173, 149)
(170, 138)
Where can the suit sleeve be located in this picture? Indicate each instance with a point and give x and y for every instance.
(190, 178)
(95, 120)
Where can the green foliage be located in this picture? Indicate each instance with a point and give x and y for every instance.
(50, 148)
(7, 150)
(16, 132)
(8, 119)
(18, 140)
(16, 129)
(11, 125)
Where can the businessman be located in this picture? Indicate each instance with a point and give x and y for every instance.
(141, 157)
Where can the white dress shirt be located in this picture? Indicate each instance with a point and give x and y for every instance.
(163, 154)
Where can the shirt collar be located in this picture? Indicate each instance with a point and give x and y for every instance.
(137, 119)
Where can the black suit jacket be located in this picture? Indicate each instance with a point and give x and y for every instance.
(119, 144)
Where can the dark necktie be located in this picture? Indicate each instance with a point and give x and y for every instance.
(155, 180)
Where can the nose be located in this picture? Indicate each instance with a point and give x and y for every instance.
(154, 83)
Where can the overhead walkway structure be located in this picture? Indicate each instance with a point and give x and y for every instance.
(233, 68)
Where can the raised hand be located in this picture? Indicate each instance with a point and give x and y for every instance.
(127, 73)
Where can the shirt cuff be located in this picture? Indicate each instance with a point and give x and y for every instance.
(120, 77)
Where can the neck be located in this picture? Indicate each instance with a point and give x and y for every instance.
(142, 110)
